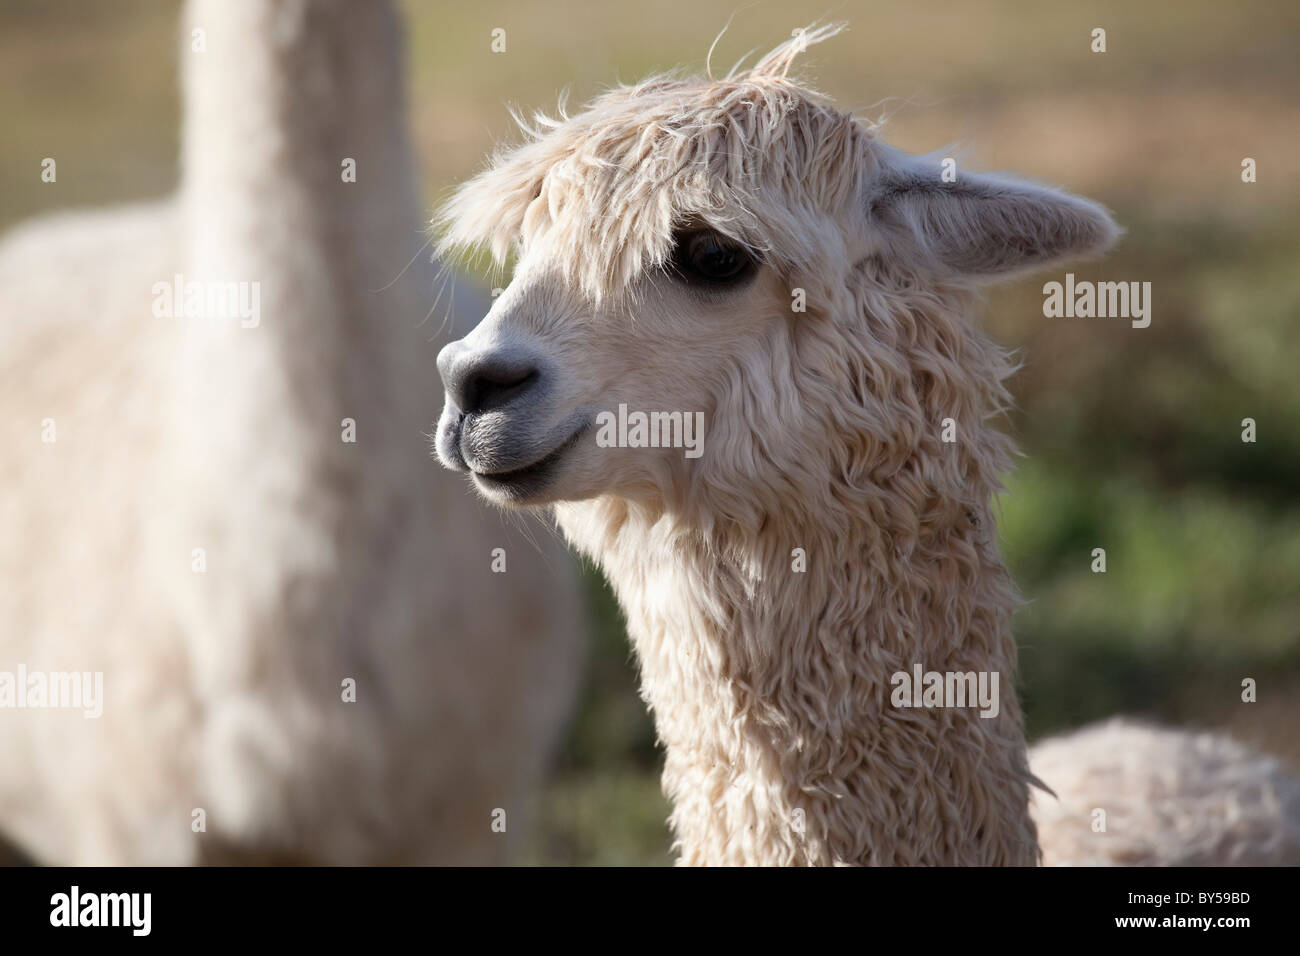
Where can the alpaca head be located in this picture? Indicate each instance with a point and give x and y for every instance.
(737, 253)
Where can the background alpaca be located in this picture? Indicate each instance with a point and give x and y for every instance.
(325, 560)
(661, 237)
(1170, 799)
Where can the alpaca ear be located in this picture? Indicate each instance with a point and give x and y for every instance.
(980, 225)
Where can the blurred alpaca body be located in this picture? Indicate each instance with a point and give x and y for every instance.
(322, 560)
(1170, 798)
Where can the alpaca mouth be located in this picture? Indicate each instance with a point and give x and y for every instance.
(530, 478)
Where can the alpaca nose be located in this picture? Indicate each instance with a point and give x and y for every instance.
(484, 381)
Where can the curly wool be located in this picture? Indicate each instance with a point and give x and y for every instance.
(756, 155)
(770, 688)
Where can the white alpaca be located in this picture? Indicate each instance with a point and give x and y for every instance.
(740, 249)
(1165, 798)
(200, 531)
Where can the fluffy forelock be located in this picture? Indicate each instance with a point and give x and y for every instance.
(755, 155)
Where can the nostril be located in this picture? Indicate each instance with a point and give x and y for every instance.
(489, 387)
(480, 381)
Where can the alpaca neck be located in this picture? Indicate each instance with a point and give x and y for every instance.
(277, 487)
(278, 104)
(771, 688)
(278, 100)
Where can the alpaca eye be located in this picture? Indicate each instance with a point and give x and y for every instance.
(707, 257)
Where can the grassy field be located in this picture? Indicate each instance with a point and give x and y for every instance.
(1132, 437)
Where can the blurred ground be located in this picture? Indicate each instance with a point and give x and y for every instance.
(1132, 437)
